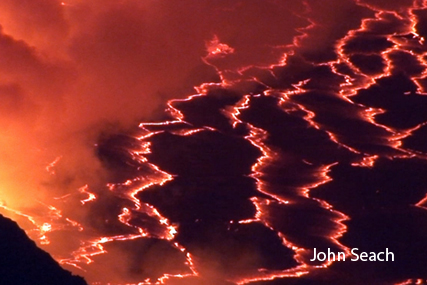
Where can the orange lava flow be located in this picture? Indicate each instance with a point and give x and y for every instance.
(256, 137)
(352, 80)
(353, 83)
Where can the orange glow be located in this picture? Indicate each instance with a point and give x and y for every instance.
(216, 48)
(91, 196)
(68, 85)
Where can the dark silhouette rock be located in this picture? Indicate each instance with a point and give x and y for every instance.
(22, 262)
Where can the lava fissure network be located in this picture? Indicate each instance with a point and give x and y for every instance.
(308, 139)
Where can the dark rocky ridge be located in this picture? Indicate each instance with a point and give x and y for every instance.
(22, 262)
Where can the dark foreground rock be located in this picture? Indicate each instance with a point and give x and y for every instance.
(22, 262)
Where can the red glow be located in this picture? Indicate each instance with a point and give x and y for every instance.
(321, 95)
